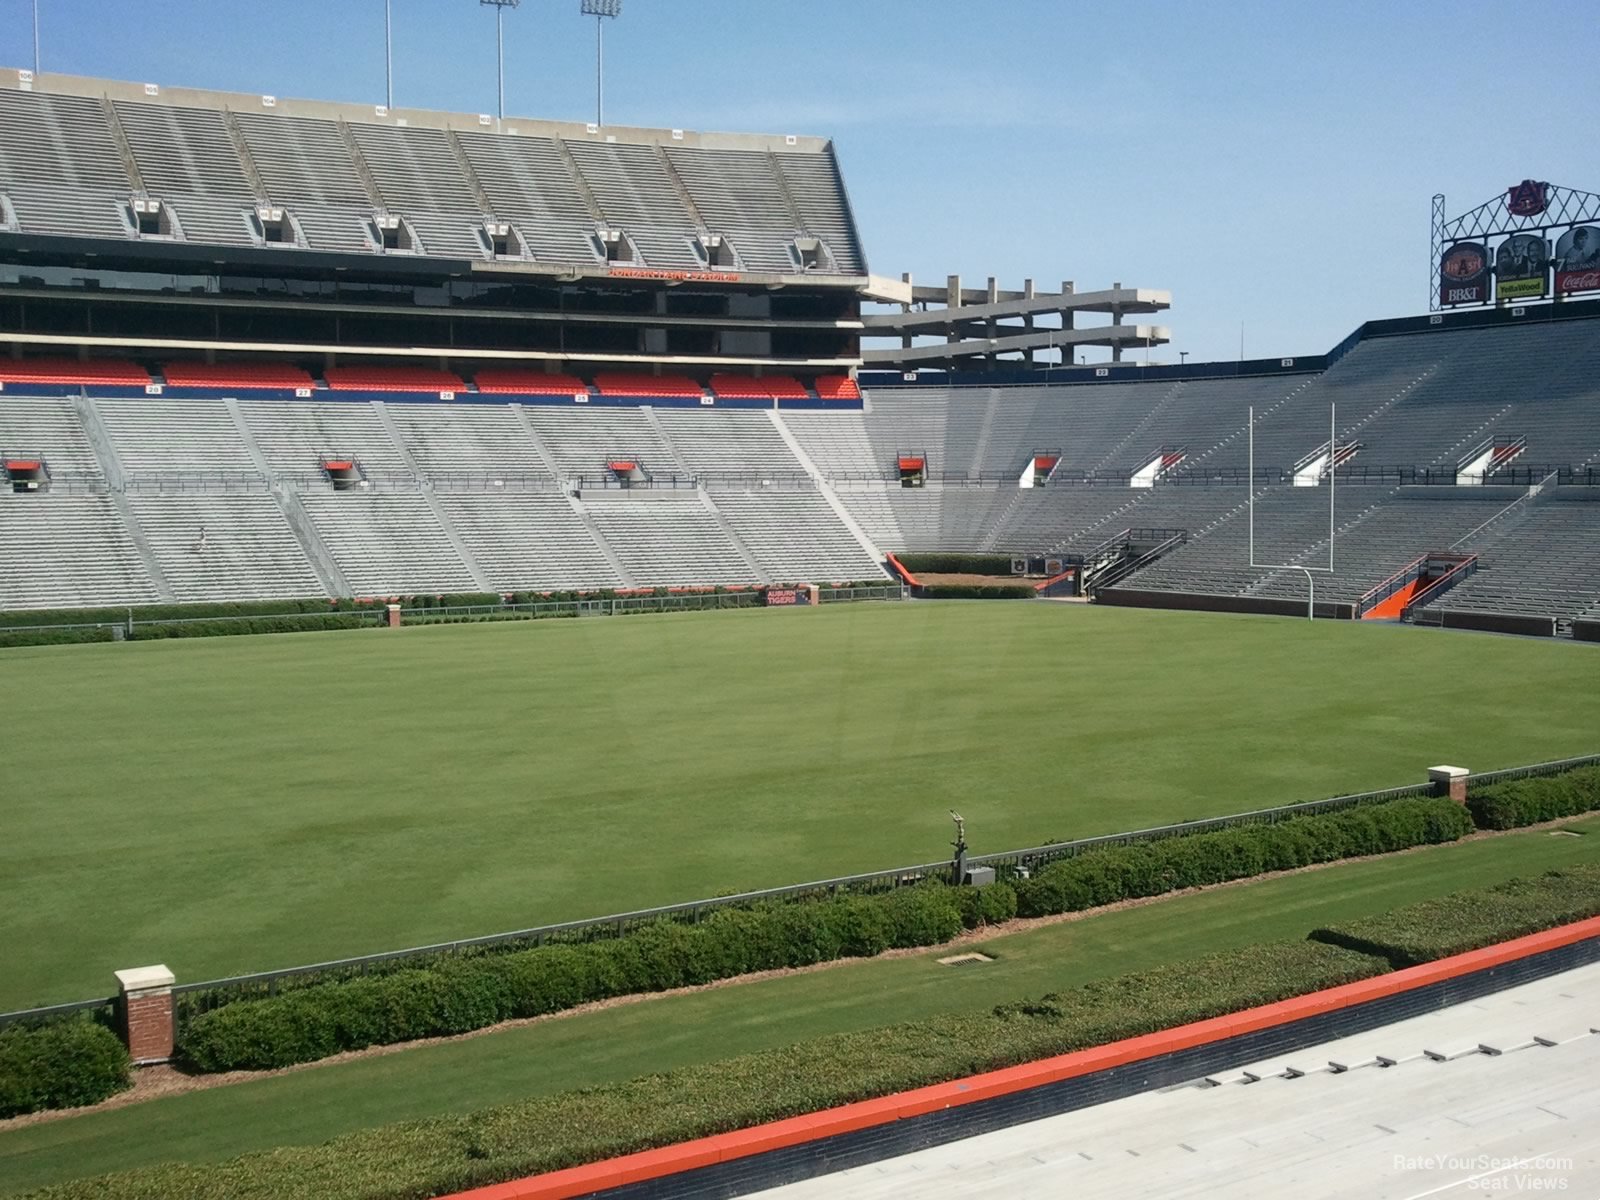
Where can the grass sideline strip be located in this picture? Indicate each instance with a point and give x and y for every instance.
(451, 1154)
(458, 994)
(615, 1043)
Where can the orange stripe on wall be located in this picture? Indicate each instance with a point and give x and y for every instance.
(865, 1114)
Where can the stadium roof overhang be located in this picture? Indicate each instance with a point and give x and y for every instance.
(345, 351)
(172, 253)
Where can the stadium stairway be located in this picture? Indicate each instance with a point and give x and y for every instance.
(480, 580)
(868, 544)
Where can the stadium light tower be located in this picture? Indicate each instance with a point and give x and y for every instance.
(36, 37)
(388, 55)
(500, 7)
(600, 10)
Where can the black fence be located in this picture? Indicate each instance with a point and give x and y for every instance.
(194, 998)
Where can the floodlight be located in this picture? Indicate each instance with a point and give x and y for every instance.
(500, 7)
(600, 10)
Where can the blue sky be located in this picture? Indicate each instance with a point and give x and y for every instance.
(1270, 164)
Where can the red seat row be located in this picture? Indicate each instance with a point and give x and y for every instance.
(494, 380)
(768, 387)
(239, 375)
(837, 387)
(639, 383)
(112, 372)
(514, 380)
(393, 379)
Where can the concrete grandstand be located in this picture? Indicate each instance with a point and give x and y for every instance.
(446, 353)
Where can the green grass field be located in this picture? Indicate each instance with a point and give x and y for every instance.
(236, 804)
(613, 1044)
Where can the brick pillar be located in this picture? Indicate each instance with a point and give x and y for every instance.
(394, 616)
(147, 1013)
(1449, 781)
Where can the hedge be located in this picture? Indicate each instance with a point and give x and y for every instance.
(1098, 877)
(446, 1154)
(456, 994)
(167, 612)
(957, 564)
(977, 591)
(60, 1065)
(185, 620)
(1519, 802)
(1473, 919)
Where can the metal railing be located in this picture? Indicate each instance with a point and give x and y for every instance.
(56, 1012)
(204, 482)
(1434, 588)
(838, 595)
(212, 993)
(1554, 767)
(117, 630)
(1033, 857)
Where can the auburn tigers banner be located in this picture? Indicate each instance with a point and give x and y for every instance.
(1521, 267)
(1578, 260)
(1464, 274)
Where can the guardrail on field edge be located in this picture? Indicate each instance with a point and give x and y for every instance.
(213, 993)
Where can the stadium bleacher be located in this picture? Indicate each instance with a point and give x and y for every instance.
(612, 466)
(513, 495)
(68, 163)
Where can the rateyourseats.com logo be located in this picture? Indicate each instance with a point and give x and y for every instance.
(1502, 1176)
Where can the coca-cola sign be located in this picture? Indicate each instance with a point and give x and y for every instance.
(1578, 260)
(1528, 198)
(1464, 274)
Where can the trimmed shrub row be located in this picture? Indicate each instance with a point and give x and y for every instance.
(169, 612)
(461, 993)
(301, 616)
(1099, 877)
(1519, 802)
(434, 1157)
(60, 1065)
(957, 564)
(1471, 920)
(457, 994)
(189, 620)
(977, 591)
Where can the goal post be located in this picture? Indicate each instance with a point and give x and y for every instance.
(1250, 482)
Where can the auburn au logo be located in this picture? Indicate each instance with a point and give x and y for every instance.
(1528, 198)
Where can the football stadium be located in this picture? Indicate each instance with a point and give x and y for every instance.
(534, 672)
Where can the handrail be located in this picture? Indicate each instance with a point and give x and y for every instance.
(1377, 594)
(1467, 566)
(1120, 571)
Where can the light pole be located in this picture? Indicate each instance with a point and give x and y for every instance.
(500, 7)
(36, 37)
(600, 10)
(1183, 358)
(388, 56)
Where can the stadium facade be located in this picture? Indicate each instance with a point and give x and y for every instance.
(256, 347)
